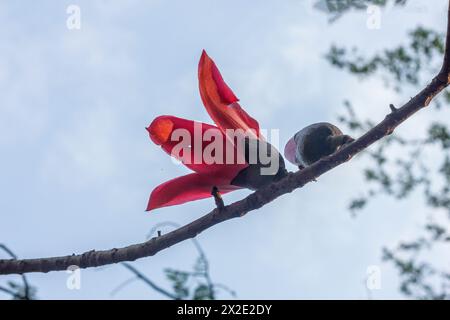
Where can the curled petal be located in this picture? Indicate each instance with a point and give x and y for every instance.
(220, 101)
(189, 141)
(187, 188)
(161, 129)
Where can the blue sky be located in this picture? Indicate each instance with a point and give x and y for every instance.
(77, 165)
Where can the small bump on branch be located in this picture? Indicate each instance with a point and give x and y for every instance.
(218, 198)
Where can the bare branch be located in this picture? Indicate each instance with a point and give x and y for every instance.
(444, 74)
(252, 202)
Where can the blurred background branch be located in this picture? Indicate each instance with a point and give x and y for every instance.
(417, 174)
(191, 285)
(17, 291)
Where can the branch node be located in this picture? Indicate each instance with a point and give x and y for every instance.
(218, 198)
(300, 168)
(393, 108)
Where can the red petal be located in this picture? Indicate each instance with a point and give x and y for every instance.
(226, 94)
(187, 188)
(220, 101)
(161, 130)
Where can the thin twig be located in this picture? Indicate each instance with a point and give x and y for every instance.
(12, 293)
(149, 282)
(26, 286)
(218, 198)
(199, 249)
(123, 285)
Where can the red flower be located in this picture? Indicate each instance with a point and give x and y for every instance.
(223, 107)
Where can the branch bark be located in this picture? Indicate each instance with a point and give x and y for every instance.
(26, 285)
(252, 202)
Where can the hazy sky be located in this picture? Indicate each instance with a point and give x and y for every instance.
(77, 165)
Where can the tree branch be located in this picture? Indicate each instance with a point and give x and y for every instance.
(252, 202)
(26, 285)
